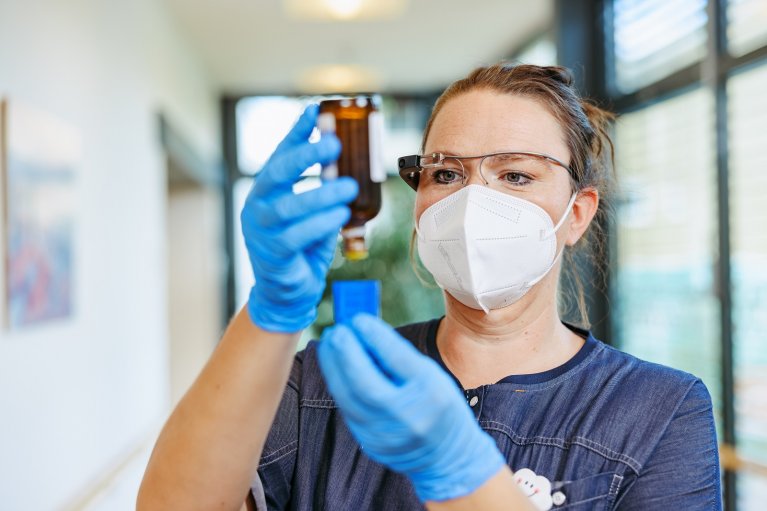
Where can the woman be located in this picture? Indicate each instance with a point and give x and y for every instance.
(510, 178)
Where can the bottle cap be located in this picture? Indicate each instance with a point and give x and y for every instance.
(355, 248)
(356, 255)
(353, 296)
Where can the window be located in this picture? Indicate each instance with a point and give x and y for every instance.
(262, 121)
(666, 235)
(746, 25)
(654, 38)
(748, 190)
(672, 220)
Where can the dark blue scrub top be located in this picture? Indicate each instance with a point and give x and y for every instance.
(609, 431)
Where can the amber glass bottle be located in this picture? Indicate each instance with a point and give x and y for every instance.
(357, 122)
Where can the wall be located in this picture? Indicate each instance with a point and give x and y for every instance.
(76, 396)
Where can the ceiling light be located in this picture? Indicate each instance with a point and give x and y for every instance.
(344, 10)
(332, 78)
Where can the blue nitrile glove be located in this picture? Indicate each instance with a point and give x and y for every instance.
(290, 237)
(405, 411)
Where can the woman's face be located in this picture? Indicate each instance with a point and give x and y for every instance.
(484, 122)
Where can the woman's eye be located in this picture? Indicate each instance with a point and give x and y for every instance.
(516, 178)
(446, 176)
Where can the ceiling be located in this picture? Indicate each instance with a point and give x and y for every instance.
(252, 46)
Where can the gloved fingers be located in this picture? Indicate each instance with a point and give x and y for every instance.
(311, 230)
(302, 129)
(357, 384)
(284, 168)
(290, 207)
(320, 255)
(393, 353)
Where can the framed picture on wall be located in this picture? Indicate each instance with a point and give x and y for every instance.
(40, 155)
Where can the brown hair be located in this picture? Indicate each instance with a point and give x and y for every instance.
(585, 126)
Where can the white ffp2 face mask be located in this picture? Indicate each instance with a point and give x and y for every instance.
(487, 248)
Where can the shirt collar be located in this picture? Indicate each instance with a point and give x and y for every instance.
(523, 379)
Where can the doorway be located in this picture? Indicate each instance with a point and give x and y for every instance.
(195, 263)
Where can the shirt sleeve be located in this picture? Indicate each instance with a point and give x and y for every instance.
(272, 488)
(683, 471)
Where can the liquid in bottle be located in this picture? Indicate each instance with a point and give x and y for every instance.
(356, 121)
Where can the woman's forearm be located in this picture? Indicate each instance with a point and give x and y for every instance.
(499, 493)
(207, 453)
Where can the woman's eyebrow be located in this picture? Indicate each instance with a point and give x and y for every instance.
(452, 153)
(441, 151)
(512, 156)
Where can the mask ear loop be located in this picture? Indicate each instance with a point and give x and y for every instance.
(417, 230)
(565, 215)
(553, 231)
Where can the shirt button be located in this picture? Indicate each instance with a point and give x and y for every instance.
(473, 401)
(558, 498)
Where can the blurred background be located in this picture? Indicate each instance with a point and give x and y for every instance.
(131, 132)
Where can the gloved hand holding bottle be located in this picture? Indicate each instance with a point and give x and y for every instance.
(290, 237)
(405, 411)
